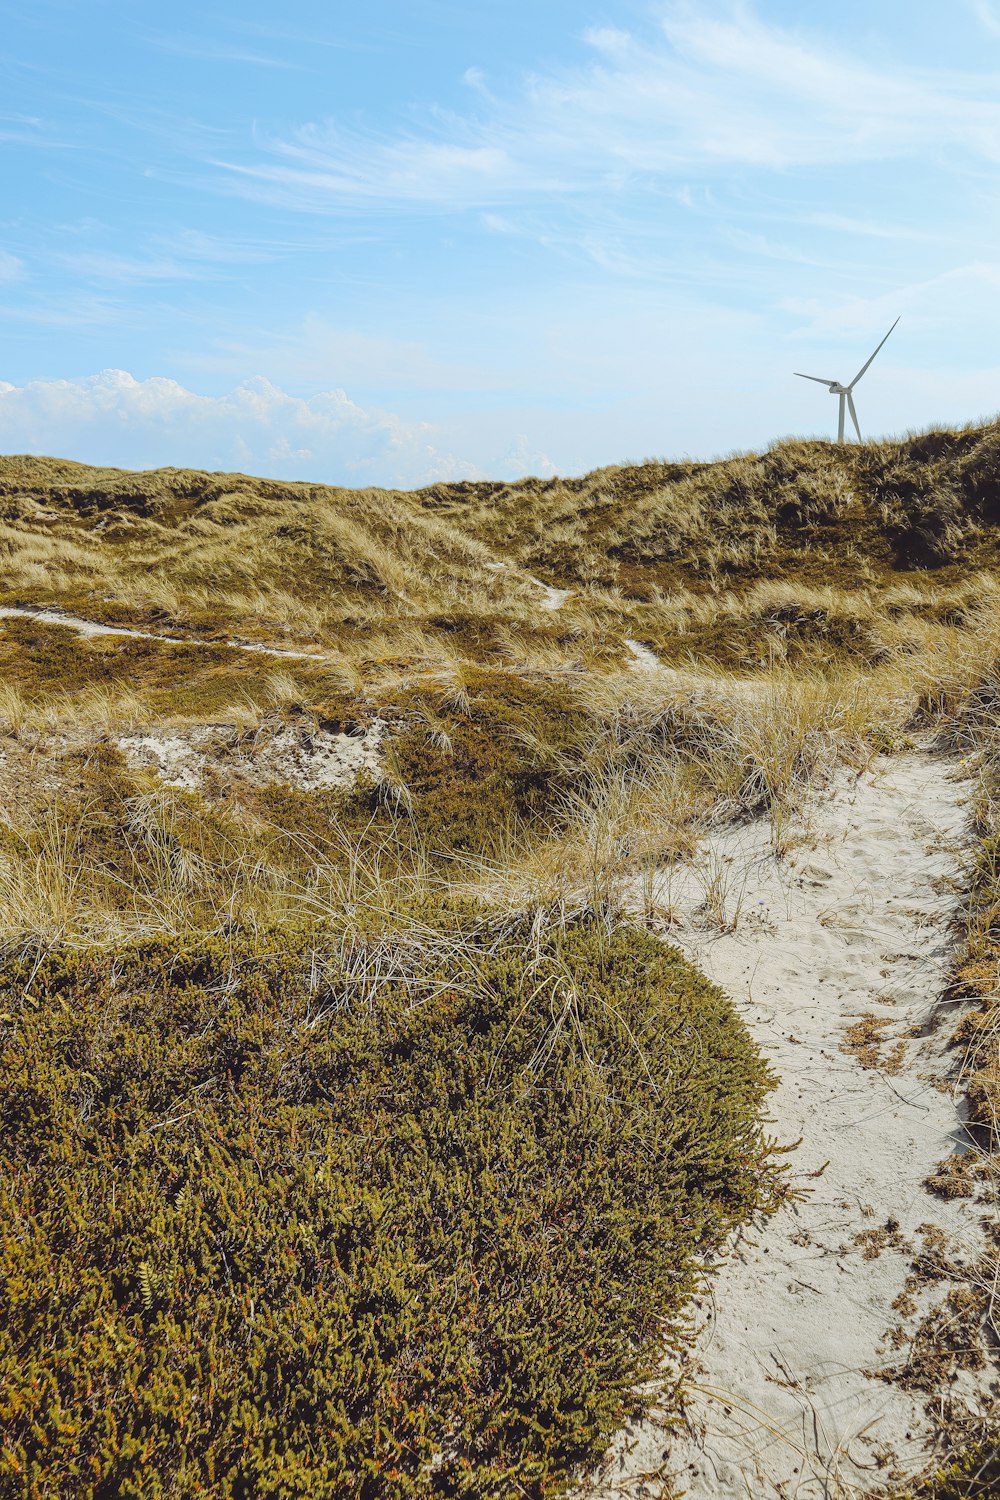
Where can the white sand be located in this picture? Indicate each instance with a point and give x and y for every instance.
(311, 758)
(644, 659)
(307, 757)
(554, 598)
(785, 1400)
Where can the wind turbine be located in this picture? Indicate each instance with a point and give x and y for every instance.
(844, 392)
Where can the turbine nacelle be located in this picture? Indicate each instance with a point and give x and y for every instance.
(844, 391)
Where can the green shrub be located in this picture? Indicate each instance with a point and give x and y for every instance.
(318, 1217)
(974, 1475)
(468, 780)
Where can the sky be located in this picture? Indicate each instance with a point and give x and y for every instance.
(403, 242)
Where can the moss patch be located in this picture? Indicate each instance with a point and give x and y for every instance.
(509, 759)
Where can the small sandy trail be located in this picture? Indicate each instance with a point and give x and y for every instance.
(554, 598)
(93, 627)
(785, 1400)
(643, 658)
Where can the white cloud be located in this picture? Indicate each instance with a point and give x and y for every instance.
(62, 309)
(845, 224)
(700, 90)
(608, 39)
(499, 224)
(29, 130)
(322, 164)
(112, 418)
(962, 298)
(11, 269)
(522, 457)
(222, 53)
(99, 265)
(187, 255)
(986, 13)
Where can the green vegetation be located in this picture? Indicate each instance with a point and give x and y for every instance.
(355, 1139)
(975, 729)
(973, 1476)
(967, 702)
(342, 1217)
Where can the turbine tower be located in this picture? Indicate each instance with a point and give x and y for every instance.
(844, 392)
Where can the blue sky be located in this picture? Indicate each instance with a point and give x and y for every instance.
(407, 241)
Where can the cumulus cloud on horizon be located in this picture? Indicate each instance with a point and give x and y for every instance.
(115, 420)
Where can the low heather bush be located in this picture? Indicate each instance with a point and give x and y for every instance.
(319, 1216)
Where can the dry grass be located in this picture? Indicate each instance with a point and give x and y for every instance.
(807, 549)
(656, 758)
(175, 872)
(959, 691)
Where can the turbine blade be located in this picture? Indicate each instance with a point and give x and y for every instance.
(854, 416)
(868, 362)
(818, 378)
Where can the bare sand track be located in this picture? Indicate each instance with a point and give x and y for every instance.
(817, 1370)
(94, 627)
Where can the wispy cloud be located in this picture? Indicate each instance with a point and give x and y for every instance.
(211, 249)
(988, 16)
(186, 255)
(314, 351)
(64, 310)
(868, 229)
(97, 265)
(311, 36)
(31, 130)
(697, 90)
(610, 39)
(951, 301)
(323, 167)
(204, 50)
(11, 269)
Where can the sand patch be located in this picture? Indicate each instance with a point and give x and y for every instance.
(643, 658)
(553, 598)
(826, 1334)
(306, 756)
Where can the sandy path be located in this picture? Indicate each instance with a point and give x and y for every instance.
(93, 627)
(687, 679)
(786, 1402)
(643, 659)
(554, 598)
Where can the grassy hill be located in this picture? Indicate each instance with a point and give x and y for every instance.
(357, 1138)
(801, 529)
